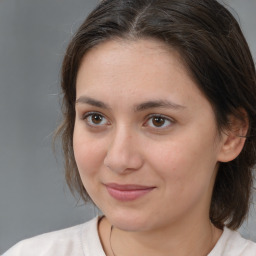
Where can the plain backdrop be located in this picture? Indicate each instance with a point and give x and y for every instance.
(33, 37)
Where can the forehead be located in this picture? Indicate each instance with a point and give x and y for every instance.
(146, 57)
(135, 70)
(111, 51)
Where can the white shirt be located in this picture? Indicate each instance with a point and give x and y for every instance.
(83, 240)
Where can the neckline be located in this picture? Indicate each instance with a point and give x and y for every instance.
(222, 240)
(93, 239)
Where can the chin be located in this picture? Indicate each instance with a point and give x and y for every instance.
(129, 221)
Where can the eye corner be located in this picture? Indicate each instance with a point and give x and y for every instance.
(94, 119)
(158, 121)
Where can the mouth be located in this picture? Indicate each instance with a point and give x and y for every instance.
(128, 192)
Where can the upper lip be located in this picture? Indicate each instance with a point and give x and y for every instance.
(127, 187)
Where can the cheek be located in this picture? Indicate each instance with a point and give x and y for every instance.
(186, 178)
(88, 154)
(184, 164)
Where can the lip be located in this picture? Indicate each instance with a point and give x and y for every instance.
(127, 192)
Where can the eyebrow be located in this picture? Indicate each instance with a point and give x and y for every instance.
(92, 102)
(140, 107)
(158, 104)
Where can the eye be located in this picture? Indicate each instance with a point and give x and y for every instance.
(158, 121)
(95, 119)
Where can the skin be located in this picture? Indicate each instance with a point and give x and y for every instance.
(176, 154)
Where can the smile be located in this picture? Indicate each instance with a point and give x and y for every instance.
(127, 192)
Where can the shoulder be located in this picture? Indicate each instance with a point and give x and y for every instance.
(232, 244)
(69, 241)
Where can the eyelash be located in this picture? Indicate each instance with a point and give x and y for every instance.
(90, 115)
(149, 118)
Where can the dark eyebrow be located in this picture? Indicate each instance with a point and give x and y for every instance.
(93, 102)
(158, 104)
(140, 107)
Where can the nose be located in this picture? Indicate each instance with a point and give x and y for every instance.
(123, 153)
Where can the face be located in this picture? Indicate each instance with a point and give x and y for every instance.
(145, 138)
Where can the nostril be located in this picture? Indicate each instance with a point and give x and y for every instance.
(123, 153)
(123, 161)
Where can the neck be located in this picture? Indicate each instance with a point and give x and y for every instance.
(191, 240)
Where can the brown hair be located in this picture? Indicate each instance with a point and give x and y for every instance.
(216, 54)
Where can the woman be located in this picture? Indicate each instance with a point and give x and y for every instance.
(158, 131)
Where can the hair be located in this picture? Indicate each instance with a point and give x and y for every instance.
(215, 52)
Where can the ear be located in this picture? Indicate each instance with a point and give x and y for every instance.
(233, 138)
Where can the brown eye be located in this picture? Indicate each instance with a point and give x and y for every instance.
(158, 121)
(95, 119)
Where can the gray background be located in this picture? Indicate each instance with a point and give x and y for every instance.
(33, 37)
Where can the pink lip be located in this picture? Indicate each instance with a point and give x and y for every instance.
(127, 192)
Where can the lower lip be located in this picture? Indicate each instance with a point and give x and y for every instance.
(127, 195)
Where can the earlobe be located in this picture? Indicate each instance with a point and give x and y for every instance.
(233, 139)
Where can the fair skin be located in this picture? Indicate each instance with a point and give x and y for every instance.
(147, 149)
